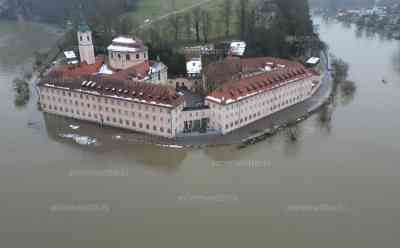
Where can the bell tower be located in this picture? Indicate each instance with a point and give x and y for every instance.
(86, 48)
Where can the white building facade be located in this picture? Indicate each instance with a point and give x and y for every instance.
(158, 73)
(228, 113)
(166, 120)
(85, 42)
(126, 52)
(122, 112)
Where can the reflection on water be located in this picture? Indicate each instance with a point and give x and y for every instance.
(294, 137)
(107, 144)
(325, 117)
(359, 32)
(346, 155)
(347, 92)
(346, 24)
(396, 60)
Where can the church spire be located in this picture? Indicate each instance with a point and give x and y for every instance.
(86, 48)
(83, 26)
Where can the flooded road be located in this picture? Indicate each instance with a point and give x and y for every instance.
(336, 186)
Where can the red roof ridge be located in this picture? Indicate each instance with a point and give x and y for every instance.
(235, 88)
(123, 89)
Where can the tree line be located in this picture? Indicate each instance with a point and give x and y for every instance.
(264, 24)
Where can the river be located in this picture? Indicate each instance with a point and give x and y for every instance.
(336, 186)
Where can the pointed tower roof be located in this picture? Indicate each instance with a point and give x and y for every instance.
(83, 27)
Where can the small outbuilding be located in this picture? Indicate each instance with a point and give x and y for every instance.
(71, 57)
(313, 61)
(194, 67)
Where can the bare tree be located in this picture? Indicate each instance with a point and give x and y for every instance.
(172, 5)
(227, 15)
(242, 10)
(155, 35)
(206, 24)
(196, 22)
(175, 23)
(251, 24)
(188, 25)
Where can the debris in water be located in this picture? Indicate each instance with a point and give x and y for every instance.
(74, 127)
(171, 146)
(81, 140)
(34, 125)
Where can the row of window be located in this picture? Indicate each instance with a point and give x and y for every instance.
(258, 115)
(99, 100)
(271, 107)
(127, 56)
(108, 119)
(119, 111)
(87, 38)
(272, 96)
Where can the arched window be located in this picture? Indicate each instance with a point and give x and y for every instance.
(88, 38)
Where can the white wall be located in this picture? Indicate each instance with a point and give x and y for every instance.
(139, 117)
(86, 49)
(118, 60)
(227, 118)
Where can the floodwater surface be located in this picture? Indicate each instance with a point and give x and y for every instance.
(337, 185)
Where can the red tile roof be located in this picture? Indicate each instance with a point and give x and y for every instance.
(250, 64)
(82, 69)
(231, 67)
(119, 89)
(238, 89)
(139, 71)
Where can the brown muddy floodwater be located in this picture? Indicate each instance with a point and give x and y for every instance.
(336, 186)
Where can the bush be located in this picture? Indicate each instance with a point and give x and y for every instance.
(22, 92)
(348, 88)
(341, 69)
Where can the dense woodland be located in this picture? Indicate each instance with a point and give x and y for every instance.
(264, 25)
